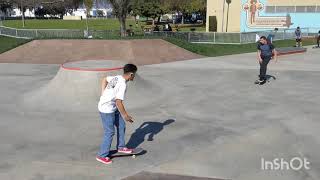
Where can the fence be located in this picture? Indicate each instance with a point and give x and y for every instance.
(192, 37)
(234, 38)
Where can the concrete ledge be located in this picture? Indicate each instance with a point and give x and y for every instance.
(93, 65)
(290, 50)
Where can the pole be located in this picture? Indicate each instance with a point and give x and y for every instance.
(224, 2)
(227, 18)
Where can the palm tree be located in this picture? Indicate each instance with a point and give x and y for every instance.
(228, 2)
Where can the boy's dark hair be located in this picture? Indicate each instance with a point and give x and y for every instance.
(130, 68)
(263, 37)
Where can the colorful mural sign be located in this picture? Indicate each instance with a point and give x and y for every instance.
(257, 15)
(255, 19)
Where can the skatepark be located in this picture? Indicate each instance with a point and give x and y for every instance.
(195, 116)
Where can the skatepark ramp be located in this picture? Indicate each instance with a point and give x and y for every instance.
(140, 52)
(76, 87)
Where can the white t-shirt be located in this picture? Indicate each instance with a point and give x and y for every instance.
(116, 89)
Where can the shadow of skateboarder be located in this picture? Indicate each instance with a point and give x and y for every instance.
(147, 128)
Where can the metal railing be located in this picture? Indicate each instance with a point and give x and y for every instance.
(192, 37)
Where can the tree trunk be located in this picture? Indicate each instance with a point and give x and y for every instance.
(123, 28)
(204, 18)
(0, 18)
(87, 26)
(182, 19)
(153, 21)
(34, 9)
(159, 18)
(22, 14)
(173, 19)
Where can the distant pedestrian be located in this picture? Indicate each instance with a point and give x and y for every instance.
(318, 40)
(298, 34)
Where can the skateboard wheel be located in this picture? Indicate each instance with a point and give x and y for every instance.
(133, 156)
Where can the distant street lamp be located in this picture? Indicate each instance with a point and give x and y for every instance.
(228, 2)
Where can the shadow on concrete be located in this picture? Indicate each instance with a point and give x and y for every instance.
(158, 176)
(270, 77)
(147, 128)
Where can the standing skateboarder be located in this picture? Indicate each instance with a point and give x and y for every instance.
(113, 113)
(318, 40)
(266, 52)
(298, 37)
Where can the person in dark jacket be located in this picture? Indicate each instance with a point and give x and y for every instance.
(266, 52)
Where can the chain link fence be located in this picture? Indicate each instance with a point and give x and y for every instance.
(192, 37)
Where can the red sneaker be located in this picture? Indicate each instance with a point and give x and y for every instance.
(125, 150)
(104, 160)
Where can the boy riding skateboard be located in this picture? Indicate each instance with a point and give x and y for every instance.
(266, 52)
(113, 113)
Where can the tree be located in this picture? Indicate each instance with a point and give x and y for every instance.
(55, 8)
(187, 7)
(152, 10)
(149, 8)
(120, 10)
(23, 5)
(200, 6)
(136, 8)
(4, 6)
(88, 4)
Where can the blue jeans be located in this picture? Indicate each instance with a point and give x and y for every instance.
(109, 121)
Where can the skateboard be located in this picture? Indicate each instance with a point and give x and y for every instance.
(261, 83)
(136, 152)
(266, 81)
(315, 47)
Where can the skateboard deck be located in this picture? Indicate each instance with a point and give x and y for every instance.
(136, 152)
(315, 47)
(269, 78)
(261, 83)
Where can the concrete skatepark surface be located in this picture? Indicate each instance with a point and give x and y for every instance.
(203, 119)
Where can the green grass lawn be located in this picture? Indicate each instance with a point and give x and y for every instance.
(212, 50)
(7, 43)
(95, 24)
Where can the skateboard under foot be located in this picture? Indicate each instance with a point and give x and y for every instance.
(135, 152)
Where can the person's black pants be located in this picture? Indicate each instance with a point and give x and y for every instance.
(263, 67)
(318, 41)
